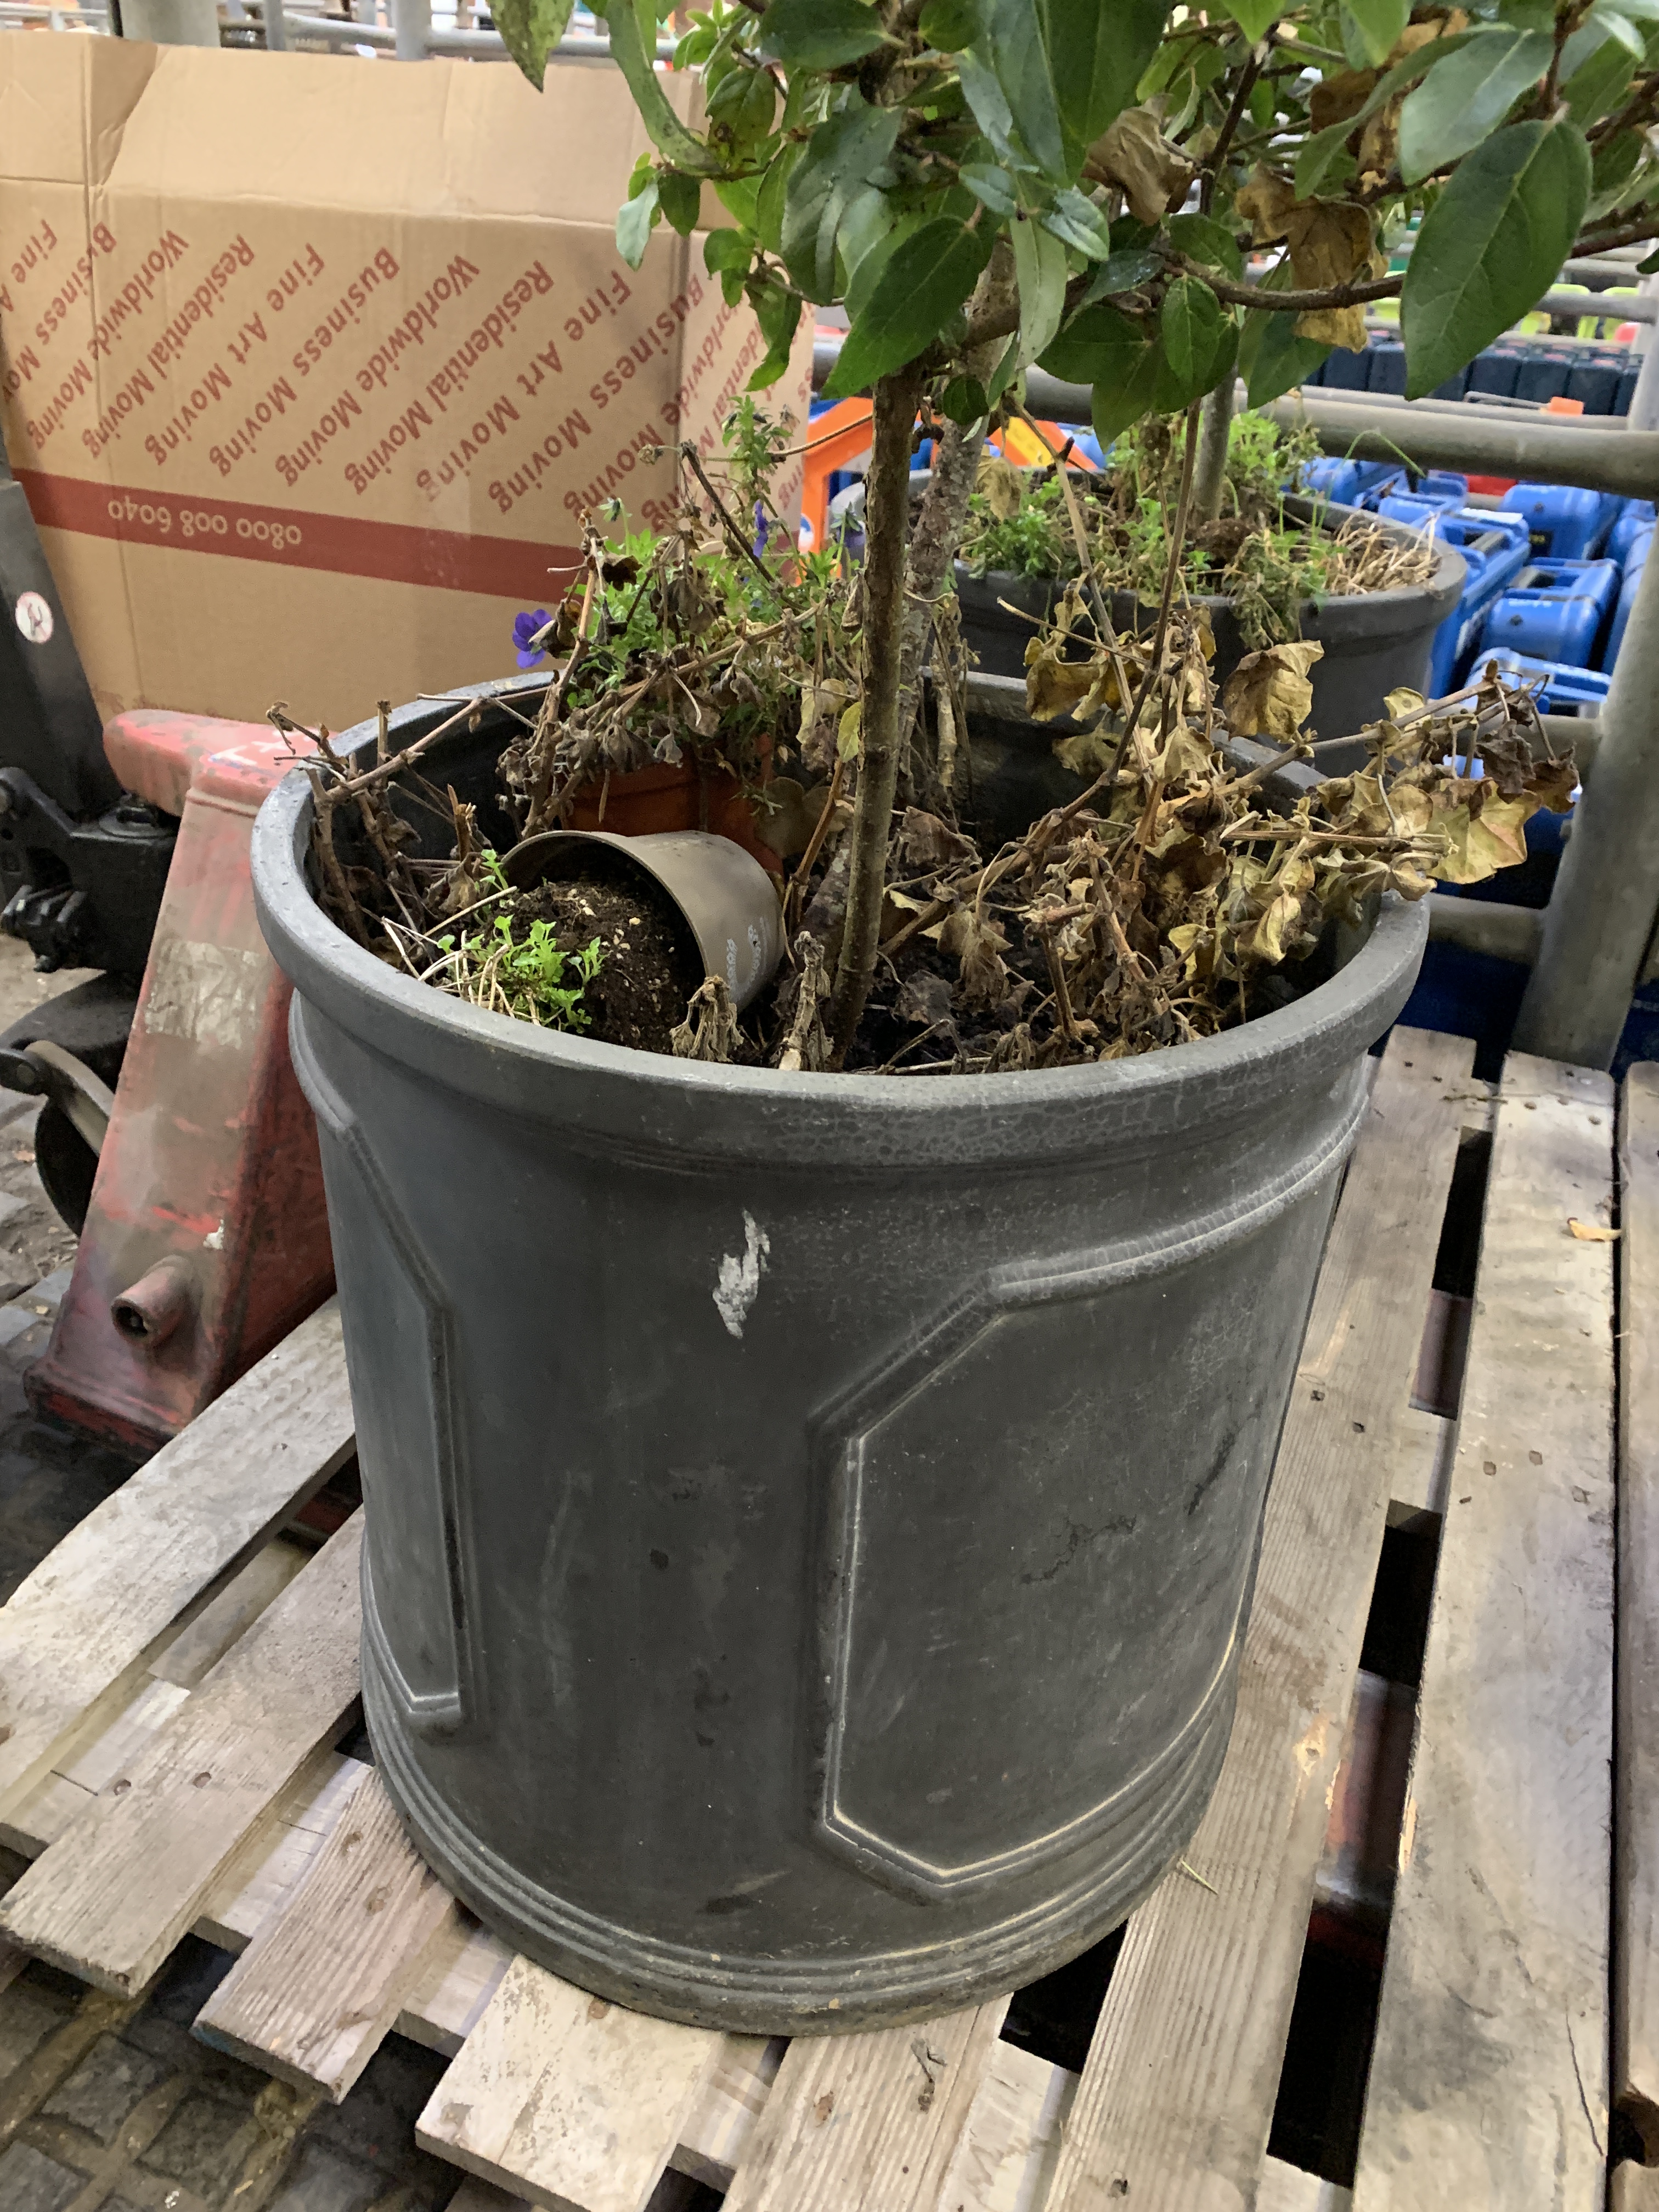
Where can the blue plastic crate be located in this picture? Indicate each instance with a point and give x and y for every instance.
(1346, 371)
(1627, 377)
(1543, 374)
(1388, 366)
(1346, 483)
(1554, 612)
(1558, 687)
(1636, 516)
(1566, 522)
(1494, 552)
(1495, 370)
(1635, 561)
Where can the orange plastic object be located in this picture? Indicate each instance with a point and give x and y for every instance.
(1022, 444)
(1562, 405)
(834, 439)
(207, 1236)
(661, 798)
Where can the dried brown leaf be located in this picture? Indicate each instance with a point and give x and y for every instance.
(928, 842)
(1268, 694)
(1591, 1232)
(1134, 154)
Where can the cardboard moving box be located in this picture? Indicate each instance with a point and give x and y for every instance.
(308, 367)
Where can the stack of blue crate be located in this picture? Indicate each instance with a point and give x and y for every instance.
(1601, 377)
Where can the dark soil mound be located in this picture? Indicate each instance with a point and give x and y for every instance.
(651, 962)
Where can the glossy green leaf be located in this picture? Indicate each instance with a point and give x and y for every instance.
(991, 111)
(1615, 166)
(843, 156)
(925, 280)
(992, 186)
(1095, 345)
(1280, 360)
(951, 25)
(819, 35)
(1318, 152)
(1253, 17)
(778, 314)
(964, 400)
(1202, 239)
(1491, 244)
(770, 199)
(740, 197)
(1096, 54)
(1039, 267)
(1127, 390)
(680, 197)
(1458, 104)
(1190, 327)
(726, 249)
(633, 27)
(1379, 24)
(1020, 58)
(530, 30)
(1007, 371)
(1078, 222)
(1122, 271)
(1600, 80)
(635, 218)
(744, 103)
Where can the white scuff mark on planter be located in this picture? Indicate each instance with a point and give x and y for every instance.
(215, 1243)
(739, 1278)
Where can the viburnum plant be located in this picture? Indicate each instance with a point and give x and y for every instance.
(1148, 200)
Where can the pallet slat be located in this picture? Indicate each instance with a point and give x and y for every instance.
(1490, 2068)
(314, 1995)
(1635, 1815)
(77, 1629)
(112, 1896)
(1178, 2095)
(872, 2119)
(564, 2099)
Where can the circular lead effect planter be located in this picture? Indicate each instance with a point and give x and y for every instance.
(810, 1520)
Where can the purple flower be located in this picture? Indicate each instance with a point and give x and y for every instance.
(525, 628)
(763, 530)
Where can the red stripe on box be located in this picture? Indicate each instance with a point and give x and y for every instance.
(393, 552)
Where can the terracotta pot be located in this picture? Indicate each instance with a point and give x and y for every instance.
(640, 802)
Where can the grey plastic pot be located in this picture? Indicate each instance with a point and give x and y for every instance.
(811, 1520)
(1373, 640)
(726, 899)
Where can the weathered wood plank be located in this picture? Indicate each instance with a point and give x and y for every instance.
(78, 1629)
(1490, 2067)
(1178, 2095)
(1287, 2189)
(868, 2120)
(1635, 1779)
(564, 2099)
(317, 1991)
(721, 2125)
(1633, 2189)
(113, 1895)
(1005, 2158)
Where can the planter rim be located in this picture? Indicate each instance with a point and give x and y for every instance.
(618, 1094)
(1368, 611)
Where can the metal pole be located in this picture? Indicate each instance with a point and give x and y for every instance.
(276, 27)
(1600, 918)
(412, 20)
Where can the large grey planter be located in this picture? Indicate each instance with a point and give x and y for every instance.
(812, 1521)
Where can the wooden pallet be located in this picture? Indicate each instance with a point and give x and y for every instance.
(175, 1675)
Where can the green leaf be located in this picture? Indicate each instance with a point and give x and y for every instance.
(634, 219)
(1317, 152)
(1125, 391)
(1020, 59)
(633, 27)
(1253, 17)
(1096, 54)
(1078, 222)
(1491, 244)
(925, 281)
(1468, 97)
(1379, 23)
(1280, 360)
(948, 26)
(778, 314)
(1096, 346)
(726, 249)
(1005, 371)
(819, 34)
(1122, 273)
(530, 30)
(1600, 79)
(1039, 266)
(992, 112)
(739, 196)
(1190, 327)
(680, 198)
(843, 157)
(1614, 168)
(1202, 239)
(964, 400)
(770, 199)
(991, 187)
(744, 103)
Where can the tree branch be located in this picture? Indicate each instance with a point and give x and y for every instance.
(1291, 303)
